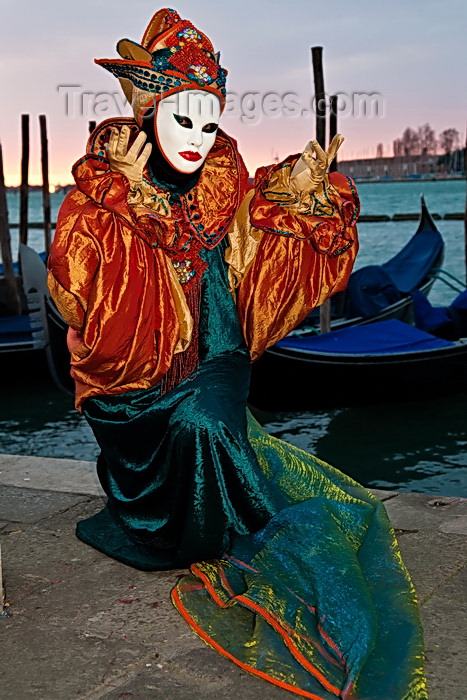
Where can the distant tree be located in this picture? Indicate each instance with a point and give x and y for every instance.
(397, 147)
(449, 140)
(427, 139)
(379, 150)
(410, 142)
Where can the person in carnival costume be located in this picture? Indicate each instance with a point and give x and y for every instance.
(174, 273)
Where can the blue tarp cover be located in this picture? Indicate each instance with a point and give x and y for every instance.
(428, 317)
(410, 266)
(42, 255)
(386, 337)
(15, 329)
(369, 291)
(460, 302)
(374, 287)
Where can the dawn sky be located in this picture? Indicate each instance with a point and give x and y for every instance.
(411, 56)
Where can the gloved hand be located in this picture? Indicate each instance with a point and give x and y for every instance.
(309, 173)
(129, 161)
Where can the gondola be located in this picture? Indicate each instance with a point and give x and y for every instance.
(58, 356)
(377, 356)
(382, 361)
(380, 292)
(27, 331)
(40, 328)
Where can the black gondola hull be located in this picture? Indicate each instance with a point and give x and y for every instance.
(284, 379)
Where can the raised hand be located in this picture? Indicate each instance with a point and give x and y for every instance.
(129, 161)
(310, 172)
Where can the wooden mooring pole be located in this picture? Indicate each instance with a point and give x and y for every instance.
(45, 182)
(24, 189)
(465, 213)
(2, 592)
(320, 111)
(333, 127)
(320, 97)
(12, 302)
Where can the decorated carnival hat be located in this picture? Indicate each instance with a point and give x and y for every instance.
(173, 56)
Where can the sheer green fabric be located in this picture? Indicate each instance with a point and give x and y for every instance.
(300, 581)
(319, 599)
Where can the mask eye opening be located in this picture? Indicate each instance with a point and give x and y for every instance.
(183, 121)
(210, 128)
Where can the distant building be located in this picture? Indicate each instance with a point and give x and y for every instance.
(401, 167)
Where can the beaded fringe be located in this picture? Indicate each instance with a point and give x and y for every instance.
(186, 363)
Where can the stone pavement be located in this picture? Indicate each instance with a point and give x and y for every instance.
(85, 627)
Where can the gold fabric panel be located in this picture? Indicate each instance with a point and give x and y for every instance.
(244, 240)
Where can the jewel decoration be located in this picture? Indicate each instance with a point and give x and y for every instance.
(184, 270)
(199, 73)
(172, 17)
(191, 56)
(160, 60)
(189, 34)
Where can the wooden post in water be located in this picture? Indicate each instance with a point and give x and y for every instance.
(24, 189)
(12, 301)
(333, 128)
(45, 182)
(320, 109)
(320, 97)
(2, 592)
(465, 212)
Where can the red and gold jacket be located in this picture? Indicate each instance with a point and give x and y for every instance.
(112, 273)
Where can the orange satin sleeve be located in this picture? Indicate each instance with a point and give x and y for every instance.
(300, 261)
(71, 267)
(105, 279)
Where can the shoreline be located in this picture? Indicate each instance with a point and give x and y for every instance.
(359, 180)
(369, 180)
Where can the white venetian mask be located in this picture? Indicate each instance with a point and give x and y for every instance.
(186, 126)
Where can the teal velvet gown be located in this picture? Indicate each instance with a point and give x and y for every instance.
(295, 572)
(180, 475)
